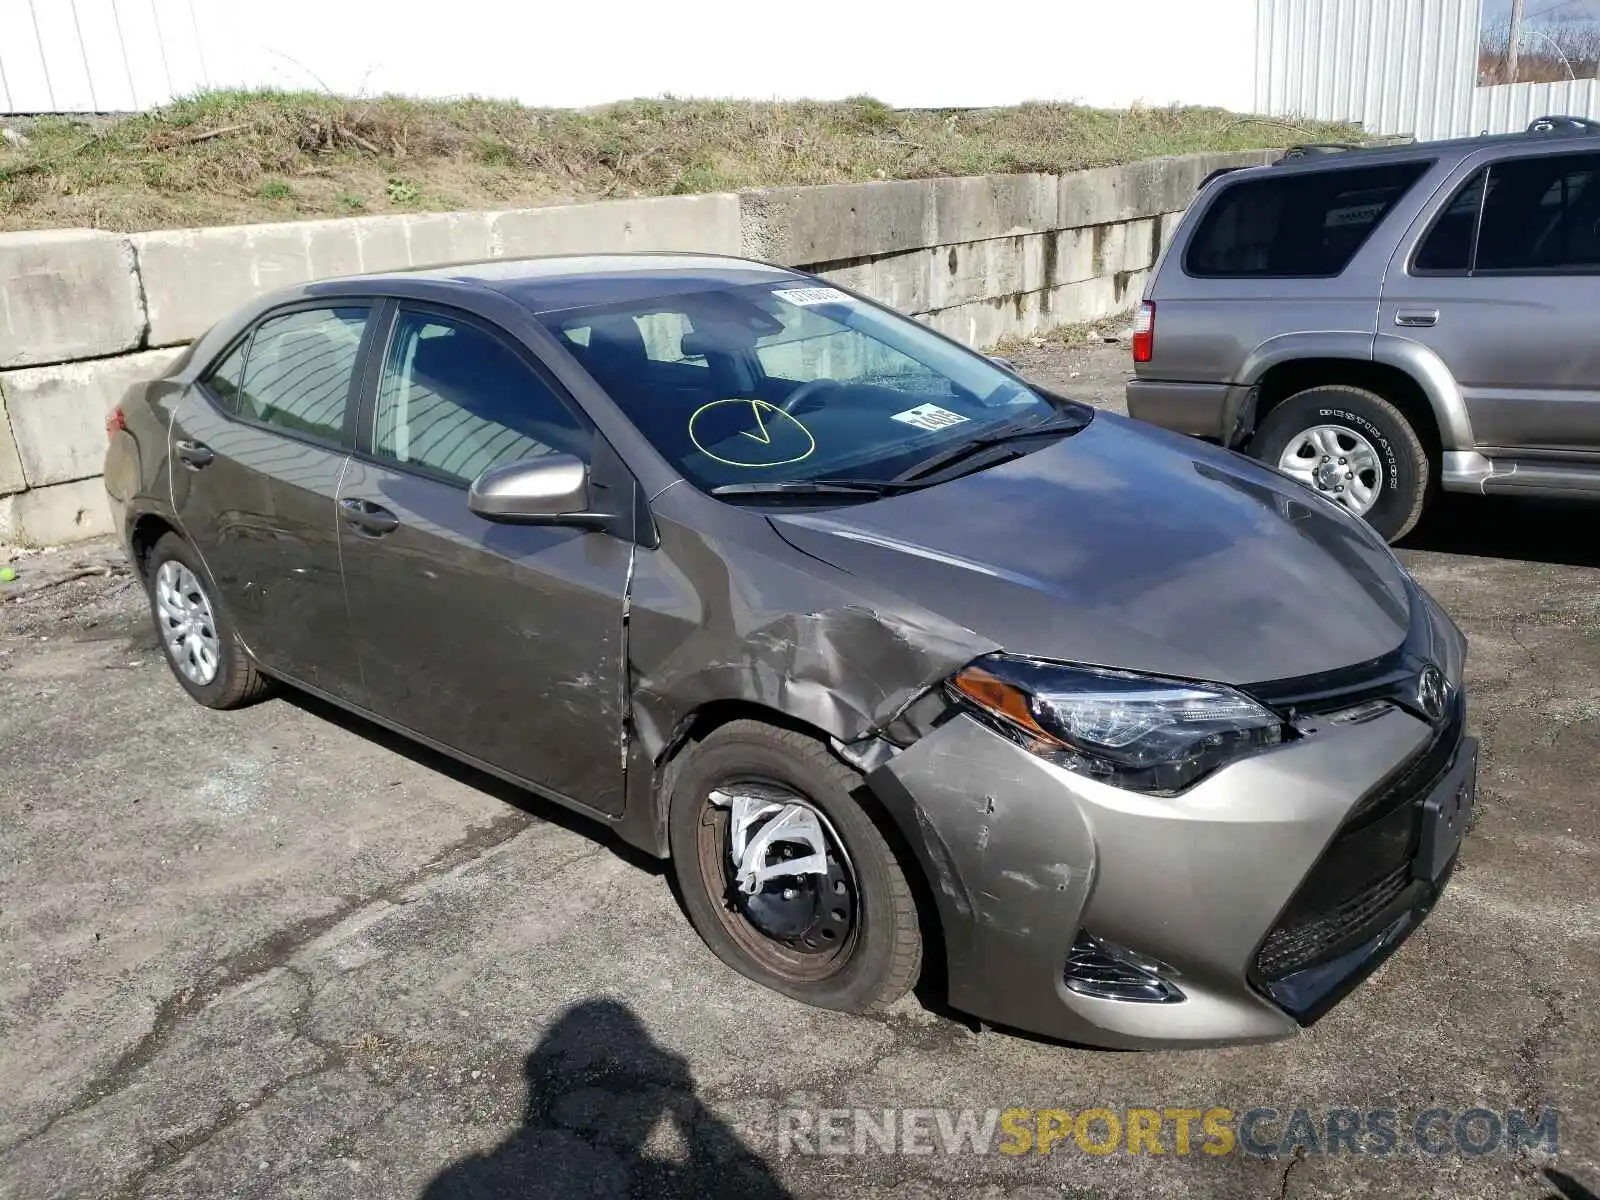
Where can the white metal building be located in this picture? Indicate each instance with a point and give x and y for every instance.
(1397, 66)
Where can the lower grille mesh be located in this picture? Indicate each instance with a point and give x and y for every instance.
(1292, 946)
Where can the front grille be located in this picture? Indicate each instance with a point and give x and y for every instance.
(1364, 877)
(1291, 947)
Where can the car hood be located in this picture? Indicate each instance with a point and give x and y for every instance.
(1127, 546)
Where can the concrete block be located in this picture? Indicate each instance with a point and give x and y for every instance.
(332, 248)
(49, 516)
(58, 414)
(381, 243)
(707, 223)
(903, 281)
(992, 206)
(984, 323)
(194, 277)
(442, 239)
(65, 294)
(1005, 266)
(1077, 254)
(11, 477)
(811, 226)
(1126, 246)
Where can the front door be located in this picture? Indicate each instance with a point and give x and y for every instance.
(1503, 288)
(502, 642)
(258, 448)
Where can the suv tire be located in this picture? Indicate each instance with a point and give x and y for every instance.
(860, 964)
(1356, 417)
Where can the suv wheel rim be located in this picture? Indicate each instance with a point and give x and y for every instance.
(188, 628)
(785, 886)
(1338, 462)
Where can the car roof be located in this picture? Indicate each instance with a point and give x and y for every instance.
(554, 283)
(1326, 158)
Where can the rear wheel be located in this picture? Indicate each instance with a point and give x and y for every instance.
(1355, 448)
(199, 642)
(785, 875)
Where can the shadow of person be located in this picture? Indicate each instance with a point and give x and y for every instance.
(610, 1113)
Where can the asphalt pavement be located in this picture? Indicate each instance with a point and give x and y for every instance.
(282, 953)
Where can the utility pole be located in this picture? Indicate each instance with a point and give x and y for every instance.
(1513, 41)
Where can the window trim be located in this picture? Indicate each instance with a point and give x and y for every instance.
(1426, 165)
(1472, 245)
(364, 449)
(353, 397)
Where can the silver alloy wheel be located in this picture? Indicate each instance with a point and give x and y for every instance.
(188, 627)
(1338, 462)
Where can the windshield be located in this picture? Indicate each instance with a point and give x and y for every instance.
(780, 382)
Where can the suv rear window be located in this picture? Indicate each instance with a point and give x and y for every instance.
(1300, 225)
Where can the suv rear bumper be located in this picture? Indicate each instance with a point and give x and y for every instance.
(1218, 412)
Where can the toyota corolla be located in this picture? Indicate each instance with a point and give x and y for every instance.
(897, 657)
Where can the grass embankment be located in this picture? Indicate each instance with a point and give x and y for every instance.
(233, 157)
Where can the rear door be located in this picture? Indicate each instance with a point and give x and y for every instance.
(259, 445)
(502, 642)
(1503, 285)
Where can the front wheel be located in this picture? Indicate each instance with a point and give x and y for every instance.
(1355, 448)
(786, 876)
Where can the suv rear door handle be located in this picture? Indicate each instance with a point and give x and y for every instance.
(1417, 318)
(369, 518)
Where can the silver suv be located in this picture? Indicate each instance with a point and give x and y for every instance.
(1382, 323)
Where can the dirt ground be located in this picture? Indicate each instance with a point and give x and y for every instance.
(281, 953)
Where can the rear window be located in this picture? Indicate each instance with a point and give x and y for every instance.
(1301, 225)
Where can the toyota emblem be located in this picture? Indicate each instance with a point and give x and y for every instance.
(1431, 693)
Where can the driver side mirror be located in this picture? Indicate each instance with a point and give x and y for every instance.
(550, 490)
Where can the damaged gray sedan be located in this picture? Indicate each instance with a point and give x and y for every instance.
(909, 666)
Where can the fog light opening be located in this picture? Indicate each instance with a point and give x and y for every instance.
(1108, 971)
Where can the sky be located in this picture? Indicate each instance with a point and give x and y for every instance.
(1542, 12)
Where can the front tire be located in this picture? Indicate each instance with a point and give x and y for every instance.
(1355, 448)
(846, 939)
(197, 639)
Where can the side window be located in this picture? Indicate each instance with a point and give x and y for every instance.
(1447, 248)
(298, 370)
(225, 378)
(455, 400)
(1298, 224)
(1541, 214)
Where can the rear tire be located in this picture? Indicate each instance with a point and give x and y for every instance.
(858, 962)
(1310, 435)
(208, 661)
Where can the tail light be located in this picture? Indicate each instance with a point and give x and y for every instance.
(115, 423)
(1144, 332)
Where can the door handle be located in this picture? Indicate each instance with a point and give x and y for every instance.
(369, 518)
(1417, 318)
(196, 455)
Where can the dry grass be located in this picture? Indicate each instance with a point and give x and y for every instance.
(232, 157)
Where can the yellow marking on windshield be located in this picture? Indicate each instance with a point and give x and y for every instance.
(781, 437)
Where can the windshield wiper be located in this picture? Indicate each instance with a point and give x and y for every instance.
(815, 487)
(1014, 432)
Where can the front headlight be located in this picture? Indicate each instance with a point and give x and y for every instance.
(1132, 731)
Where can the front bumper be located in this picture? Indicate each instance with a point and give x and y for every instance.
(1269, 889)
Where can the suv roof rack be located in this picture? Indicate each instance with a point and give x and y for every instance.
(1558, 124)
(1307, 149)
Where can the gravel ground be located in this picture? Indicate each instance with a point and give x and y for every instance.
(281, 953)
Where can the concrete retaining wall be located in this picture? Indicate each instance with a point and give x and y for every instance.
(84, 314)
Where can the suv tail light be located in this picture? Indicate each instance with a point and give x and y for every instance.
(115, 423)
(1144, 332)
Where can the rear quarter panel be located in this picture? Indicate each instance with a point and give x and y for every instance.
(1211, 330)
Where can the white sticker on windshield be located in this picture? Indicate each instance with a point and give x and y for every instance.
(816, 295)
(929, 416)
